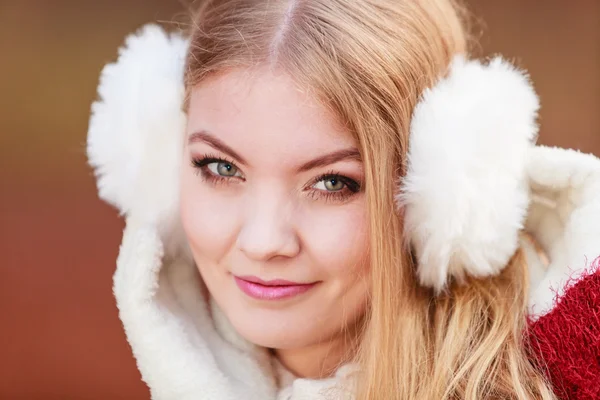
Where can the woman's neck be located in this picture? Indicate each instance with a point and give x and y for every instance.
(320, 360)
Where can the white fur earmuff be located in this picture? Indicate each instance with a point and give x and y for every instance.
(465, 194)
(136, 131)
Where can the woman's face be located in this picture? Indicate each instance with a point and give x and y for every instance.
(273, 207)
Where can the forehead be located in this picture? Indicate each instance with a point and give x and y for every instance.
(262, 110)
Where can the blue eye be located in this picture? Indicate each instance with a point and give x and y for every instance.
(333, 182)
(217, 170)
(333, 187)
(330, 184)
(222, 168)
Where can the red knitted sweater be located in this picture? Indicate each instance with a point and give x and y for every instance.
(565, 343)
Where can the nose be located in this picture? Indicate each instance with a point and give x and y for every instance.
(268, 230)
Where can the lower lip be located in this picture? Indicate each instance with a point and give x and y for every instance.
(263, 292)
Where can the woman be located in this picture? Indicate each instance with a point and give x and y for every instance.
(327, 199)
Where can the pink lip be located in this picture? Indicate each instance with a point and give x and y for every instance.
(271, 290)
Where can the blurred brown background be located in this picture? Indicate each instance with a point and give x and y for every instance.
(60, 337)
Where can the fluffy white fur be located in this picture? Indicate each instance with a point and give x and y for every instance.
(465, 195)
(184, 346)
(137, 127)
(564, 216)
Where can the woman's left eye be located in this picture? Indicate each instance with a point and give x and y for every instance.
(334, 187)
(330, 184)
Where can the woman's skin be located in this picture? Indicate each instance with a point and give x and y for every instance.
(286, 202)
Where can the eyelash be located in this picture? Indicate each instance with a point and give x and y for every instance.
(201, 166)
(351, 187)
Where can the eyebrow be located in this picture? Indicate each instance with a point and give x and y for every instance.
(351, 153)
(331, 158)
(206, 137)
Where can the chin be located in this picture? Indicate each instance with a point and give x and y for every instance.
(302, 322)
(273, 329)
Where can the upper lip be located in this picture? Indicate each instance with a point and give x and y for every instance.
(274, 282)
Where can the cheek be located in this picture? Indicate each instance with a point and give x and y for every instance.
(337, 243)
(337, 240)
(209, 220)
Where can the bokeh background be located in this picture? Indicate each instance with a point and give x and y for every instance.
(60, 337)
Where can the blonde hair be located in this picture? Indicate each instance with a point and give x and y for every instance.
(368, 61)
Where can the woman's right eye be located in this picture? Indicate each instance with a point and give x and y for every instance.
(216, 170)
(223, 169)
